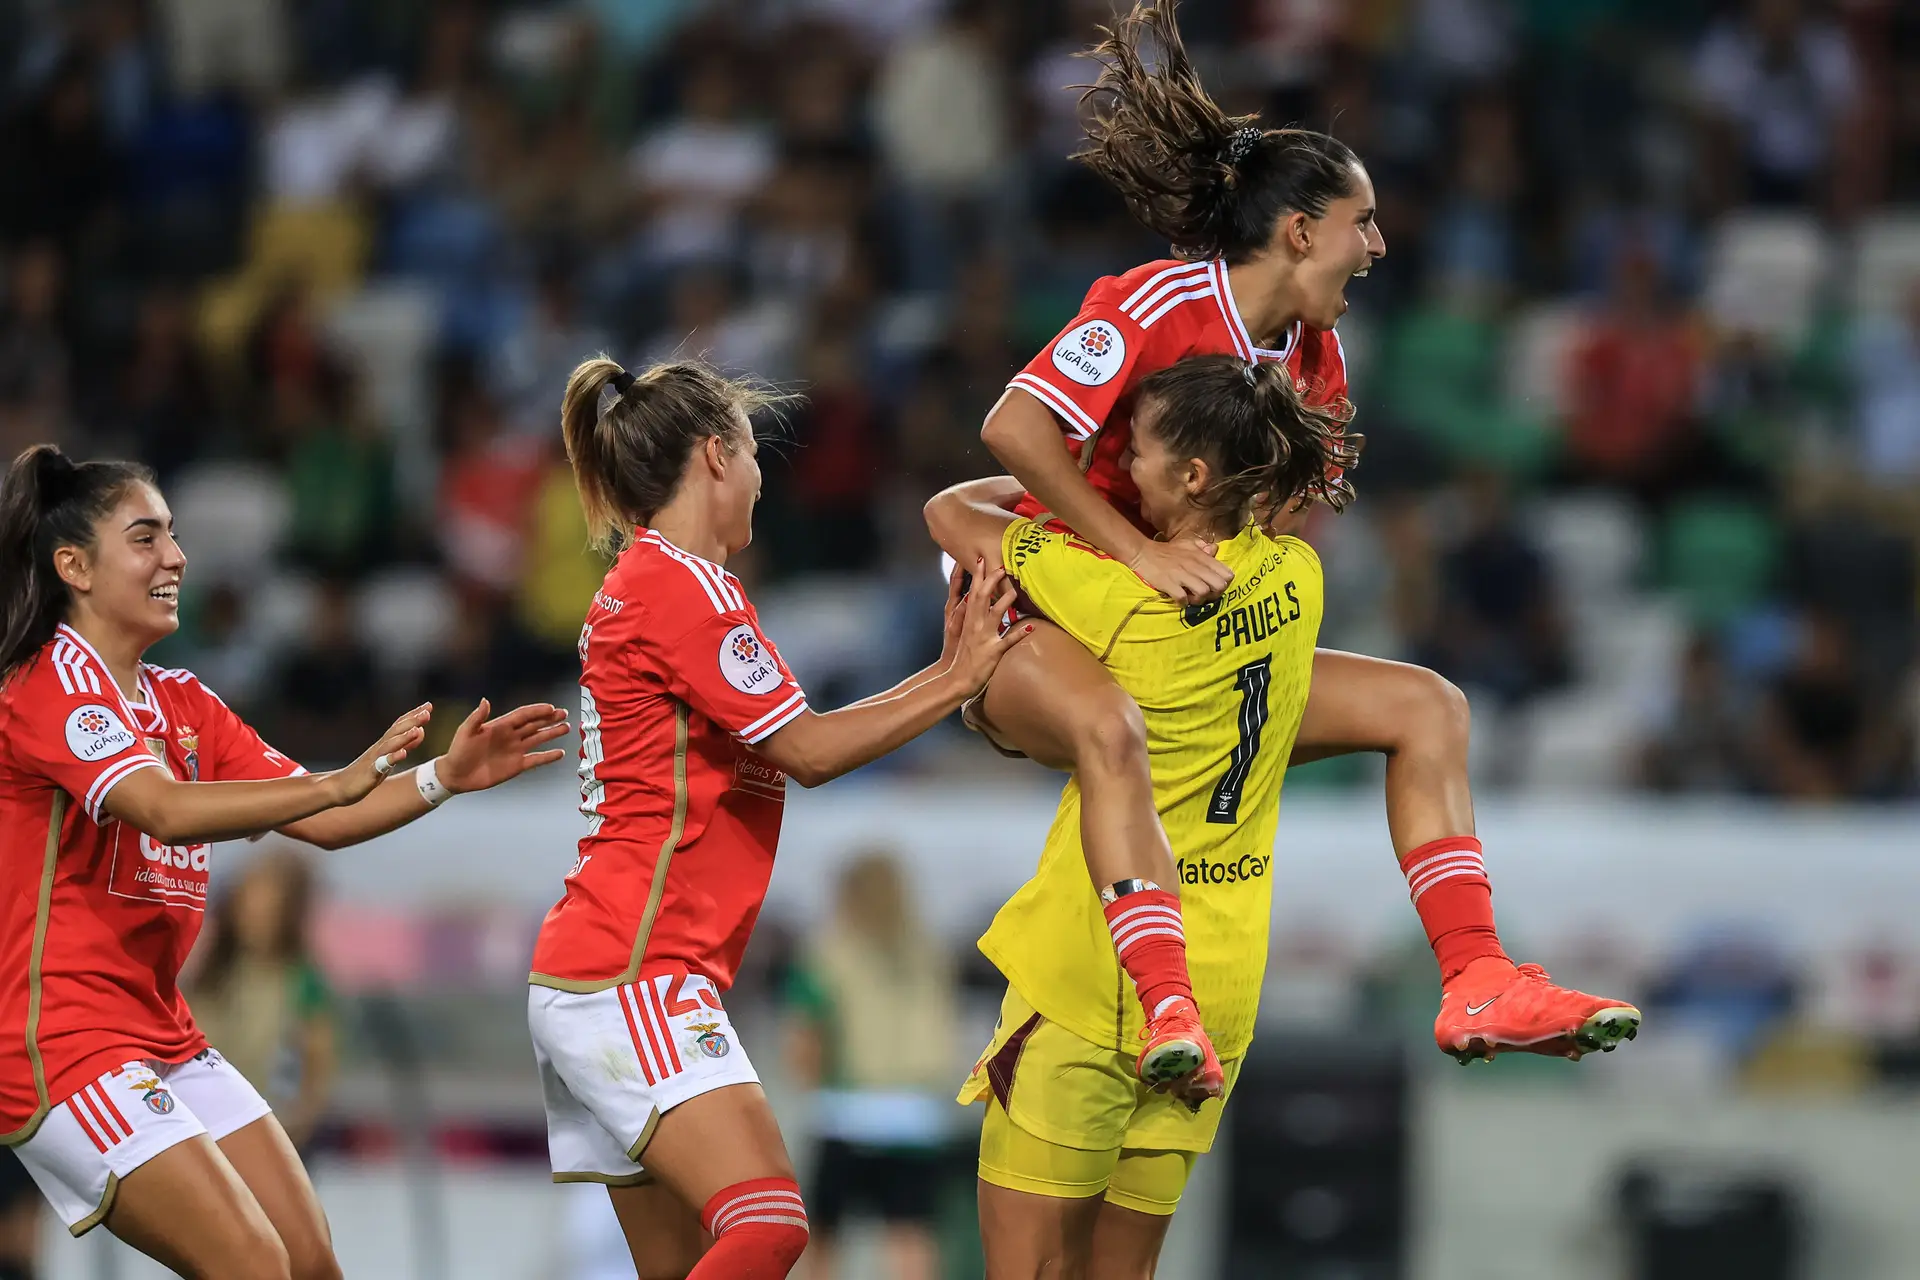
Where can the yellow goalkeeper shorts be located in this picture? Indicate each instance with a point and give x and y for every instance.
(1068, 1118)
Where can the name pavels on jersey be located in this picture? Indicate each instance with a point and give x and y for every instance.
(677, 683)
(98, 917)
(1136, 324)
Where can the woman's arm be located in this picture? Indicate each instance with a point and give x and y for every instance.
(178, 813)
(970, 520)
(815, 748)
(484, 753)
(1024, 435)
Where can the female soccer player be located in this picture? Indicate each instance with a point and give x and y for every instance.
(115, 776)
(690, 725)
(1081, 1162)
(1270, 224)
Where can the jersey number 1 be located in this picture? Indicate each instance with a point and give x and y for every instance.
(1252, 681)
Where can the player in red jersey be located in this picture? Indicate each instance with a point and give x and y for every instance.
(1270, 224)
(115, 777)
(690, 726)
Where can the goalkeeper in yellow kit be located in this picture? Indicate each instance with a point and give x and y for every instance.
(1081, 1163)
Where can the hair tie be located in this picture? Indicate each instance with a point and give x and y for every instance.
(1247, 372)
(1242, 143)
(622, 382)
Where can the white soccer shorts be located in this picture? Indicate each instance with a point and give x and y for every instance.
(115, 1124)
(613, 1062)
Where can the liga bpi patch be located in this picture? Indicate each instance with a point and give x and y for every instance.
(1091, 354)
(94, 732)
(747, 663)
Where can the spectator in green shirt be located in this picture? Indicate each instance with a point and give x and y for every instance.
(875, 1037)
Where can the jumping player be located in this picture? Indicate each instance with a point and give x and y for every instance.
(1081, 1162)
(115, 777)
(1269, 225)
(690, 726)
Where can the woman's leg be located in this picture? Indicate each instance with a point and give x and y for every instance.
(1421, 722)
(189, 1210)
(1027, 1236)
(1126, 1243)
(663, 1232)
(263, 1156)
(1052, 700)
(723, 1150)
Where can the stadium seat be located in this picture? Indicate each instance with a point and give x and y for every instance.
(388, 331)
(1765, 273)
(1578, 741)
(1718, 555)
(231, 516)
(1595, 542)
(404, 616)
(282, 608)
(1538, 348)
(1886, 261)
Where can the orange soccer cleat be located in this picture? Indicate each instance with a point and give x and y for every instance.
(1493, 1006)
(1178, 1048)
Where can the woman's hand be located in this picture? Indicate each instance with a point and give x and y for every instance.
(1184, 572)
(485, 753)
(956, 616)
(353, 783)
(980, 643)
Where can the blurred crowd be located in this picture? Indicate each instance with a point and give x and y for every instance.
(1640, 374)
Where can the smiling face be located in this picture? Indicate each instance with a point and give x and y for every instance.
(130, 578)
(1330, 250)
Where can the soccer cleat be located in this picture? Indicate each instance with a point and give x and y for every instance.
(1493, 1006)
(1178, 1047)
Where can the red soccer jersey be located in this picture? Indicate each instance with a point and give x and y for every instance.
(98, 917)
(677, 683)
(1136, 324)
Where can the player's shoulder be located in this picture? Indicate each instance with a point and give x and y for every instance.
(668, 586)
(179, 685)
(64, 667)
(1169, 294)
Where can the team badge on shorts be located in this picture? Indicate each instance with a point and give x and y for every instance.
(711, 1040)
(158, 1100)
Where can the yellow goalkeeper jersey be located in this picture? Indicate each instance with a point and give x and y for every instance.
(1222, 686)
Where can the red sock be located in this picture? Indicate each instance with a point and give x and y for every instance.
(1448, 881)
(1152, 945)
(759, 1231)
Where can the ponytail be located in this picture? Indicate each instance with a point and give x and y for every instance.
(1214, 185)
(1267, 448)
(628, 438)
(46, 502)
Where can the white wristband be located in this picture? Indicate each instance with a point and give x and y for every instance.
(432, 790)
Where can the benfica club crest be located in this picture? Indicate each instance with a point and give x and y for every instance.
(190, 747)
(710, 1040)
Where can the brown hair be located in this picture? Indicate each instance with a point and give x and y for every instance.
(290, 935)
(1265, 445)
(629, 456)
(1214, 185)
(48, 501)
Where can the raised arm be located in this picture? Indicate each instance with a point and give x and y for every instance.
(970, 520)
(814, 748)
(1024, 435)
(484, 753)
(179, 813)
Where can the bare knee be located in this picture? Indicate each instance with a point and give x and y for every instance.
(1110, 735)
(1436, 718)
(262, 1257)
(314, 1263)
